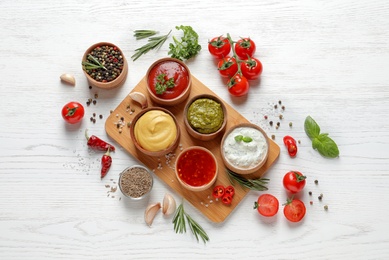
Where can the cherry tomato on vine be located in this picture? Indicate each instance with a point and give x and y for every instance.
(218, 191)
(245, 47)
(267, 205)
(73, 112)
(238, 85)
(294, 210)
(230, 191)
(227, 199)
(219, 47)
(294, 181)
(290, 144)
(251, 68)
(227, 66)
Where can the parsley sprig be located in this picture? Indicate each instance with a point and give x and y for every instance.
(258, 184)
(162, 84)
(179, 220)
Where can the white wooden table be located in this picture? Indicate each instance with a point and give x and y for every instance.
(327, 59)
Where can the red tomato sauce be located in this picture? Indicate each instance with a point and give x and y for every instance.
(171, 69)
(196, 167)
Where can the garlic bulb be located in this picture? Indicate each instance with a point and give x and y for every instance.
(169, 205)
(150, 213)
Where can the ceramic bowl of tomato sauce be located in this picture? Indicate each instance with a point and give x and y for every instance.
(168, 81)
(196, 168)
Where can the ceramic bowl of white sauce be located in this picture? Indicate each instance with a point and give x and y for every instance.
(244, 148)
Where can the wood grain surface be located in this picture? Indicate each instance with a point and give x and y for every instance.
(327, 59)
(164, 168)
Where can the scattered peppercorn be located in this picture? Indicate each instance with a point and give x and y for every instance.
(101, 116)
(290, 124)
(311, 202)
(265, 117)
(316, 182)
(283, 107)
(279, 102)
(275, 106)
(273, 137)
(326, 207)
(96, 95)
(281, 116)
(90, 87)
(278, 123)
(87, 103)
(94, 114)
(271, 123)
(299, 141)
(310, 193)
(320, 197)
(277, 126)
(128, 124)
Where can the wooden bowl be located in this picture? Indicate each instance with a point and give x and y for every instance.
(158, 153)
(196, 154)
(260, 139)
(204, 136)
(160, 99)
(119, 81)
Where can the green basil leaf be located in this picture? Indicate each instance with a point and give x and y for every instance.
(239, 138)
(325, 146)
(247, 139)
(311, 128)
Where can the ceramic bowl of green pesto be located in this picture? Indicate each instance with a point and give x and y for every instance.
(205, 117)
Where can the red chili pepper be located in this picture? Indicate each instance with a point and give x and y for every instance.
(230, 191)
(218, 191)
(227, 199)
(106, 162)
(290, 144)
(98, 144)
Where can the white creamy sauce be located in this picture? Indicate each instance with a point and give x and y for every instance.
(245, 155)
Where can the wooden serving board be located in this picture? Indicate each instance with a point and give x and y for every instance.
(164, 167)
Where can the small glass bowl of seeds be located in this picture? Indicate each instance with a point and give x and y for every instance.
(136, 182)
(104, 65)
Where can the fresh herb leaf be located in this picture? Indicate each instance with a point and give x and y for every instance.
(187, 47)
(153, 43)
(179, 221)
(162, 84)
(312, 129)
(320, 142)
(246, 139)
(92, 63)
(141, 34)
(258, 184)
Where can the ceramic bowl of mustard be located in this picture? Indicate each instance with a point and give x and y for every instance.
(104, 65)
(244, 148)
(205, 117)
(168, 82)
(196, 168)
(155, 131)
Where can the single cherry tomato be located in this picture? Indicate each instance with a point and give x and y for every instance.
(227, 199)
(73, 112)
(238, 85)
(294, 210)
(219, 47)
(294, 181)
(267, 205)
(230, 191)
(245, 47)
(218, 191)
(251, 68)
(290, 144)
(227, 66)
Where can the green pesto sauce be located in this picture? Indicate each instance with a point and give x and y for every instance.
(205, 115)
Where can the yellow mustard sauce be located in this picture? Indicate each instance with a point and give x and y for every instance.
(155, 130)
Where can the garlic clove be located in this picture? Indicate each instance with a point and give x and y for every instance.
(150, 213)
(169, 205)
(69, 79)
(139, 98)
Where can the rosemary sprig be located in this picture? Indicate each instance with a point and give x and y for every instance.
(94, 64)
(141, 34)
(252, 184)
(153, 43)
(180, 224)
